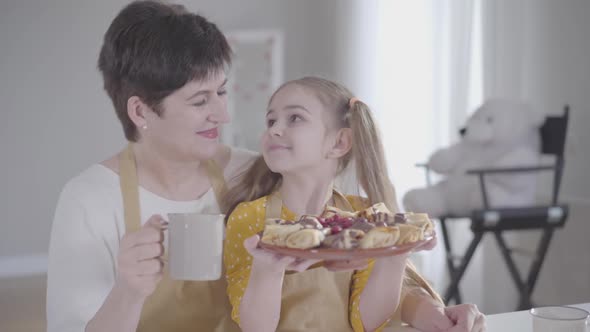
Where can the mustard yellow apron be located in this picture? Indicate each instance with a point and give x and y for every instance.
(316, 299)
(177, 306)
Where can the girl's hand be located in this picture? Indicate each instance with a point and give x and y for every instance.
(429, 245)
(466, 318)
(425, 314)
(275, 263)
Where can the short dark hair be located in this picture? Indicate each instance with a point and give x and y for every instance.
(152, 49)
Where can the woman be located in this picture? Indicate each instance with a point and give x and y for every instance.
(163, 68)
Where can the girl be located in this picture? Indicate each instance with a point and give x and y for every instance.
(314, 129)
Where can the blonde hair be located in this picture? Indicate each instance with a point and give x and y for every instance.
(367, 153)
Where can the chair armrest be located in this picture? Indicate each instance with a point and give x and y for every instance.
(523, 169)
(526, 217)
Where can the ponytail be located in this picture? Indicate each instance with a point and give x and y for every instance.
(369, 157)
(371, 169)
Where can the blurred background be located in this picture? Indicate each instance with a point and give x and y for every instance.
(422, 65)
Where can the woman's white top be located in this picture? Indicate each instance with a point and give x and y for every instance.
(85, 235)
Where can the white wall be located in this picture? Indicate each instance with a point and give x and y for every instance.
(56, 120)
(554, 69)
(559, 73)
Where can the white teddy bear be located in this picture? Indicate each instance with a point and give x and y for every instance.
(501, 133)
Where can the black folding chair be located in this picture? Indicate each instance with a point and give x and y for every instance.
(498, 220)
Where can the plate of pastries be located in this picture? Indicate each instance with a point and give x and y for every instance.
(342, 235)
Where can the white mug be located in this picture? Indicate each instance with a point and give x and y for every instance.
(559, 319)
(195, 246)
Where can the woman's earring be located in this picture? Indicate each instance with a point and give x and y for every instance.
(144, 127)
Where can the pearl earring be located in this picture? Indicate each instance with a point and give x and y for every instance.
(144, 127)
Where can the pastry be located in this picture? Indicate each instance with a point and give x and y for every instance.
(409, 234)
(380, 237)
(277, 234)
(305, 239)
(373, 227)
(421, 220)
(346, 239)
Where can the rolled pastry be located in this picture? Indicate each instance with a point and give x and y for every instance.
(384, 217)
(333, 211)
(363, 225)
(421, 220)
(274, 221)
(380, 237)
(377, 213)
(409, 233)
(417, 217)
(305, 239)
(277, 234)
(310, 222)
(346, 239)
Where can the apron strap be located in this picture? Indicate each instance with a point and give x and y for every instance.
(129, 189)
(130, 186)
(274, 206)
(217, 180)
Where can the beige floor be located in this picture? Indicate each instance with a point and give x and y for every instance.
(22, 304)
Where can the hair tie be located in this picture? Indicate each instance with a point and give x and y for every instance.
(352, 101)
